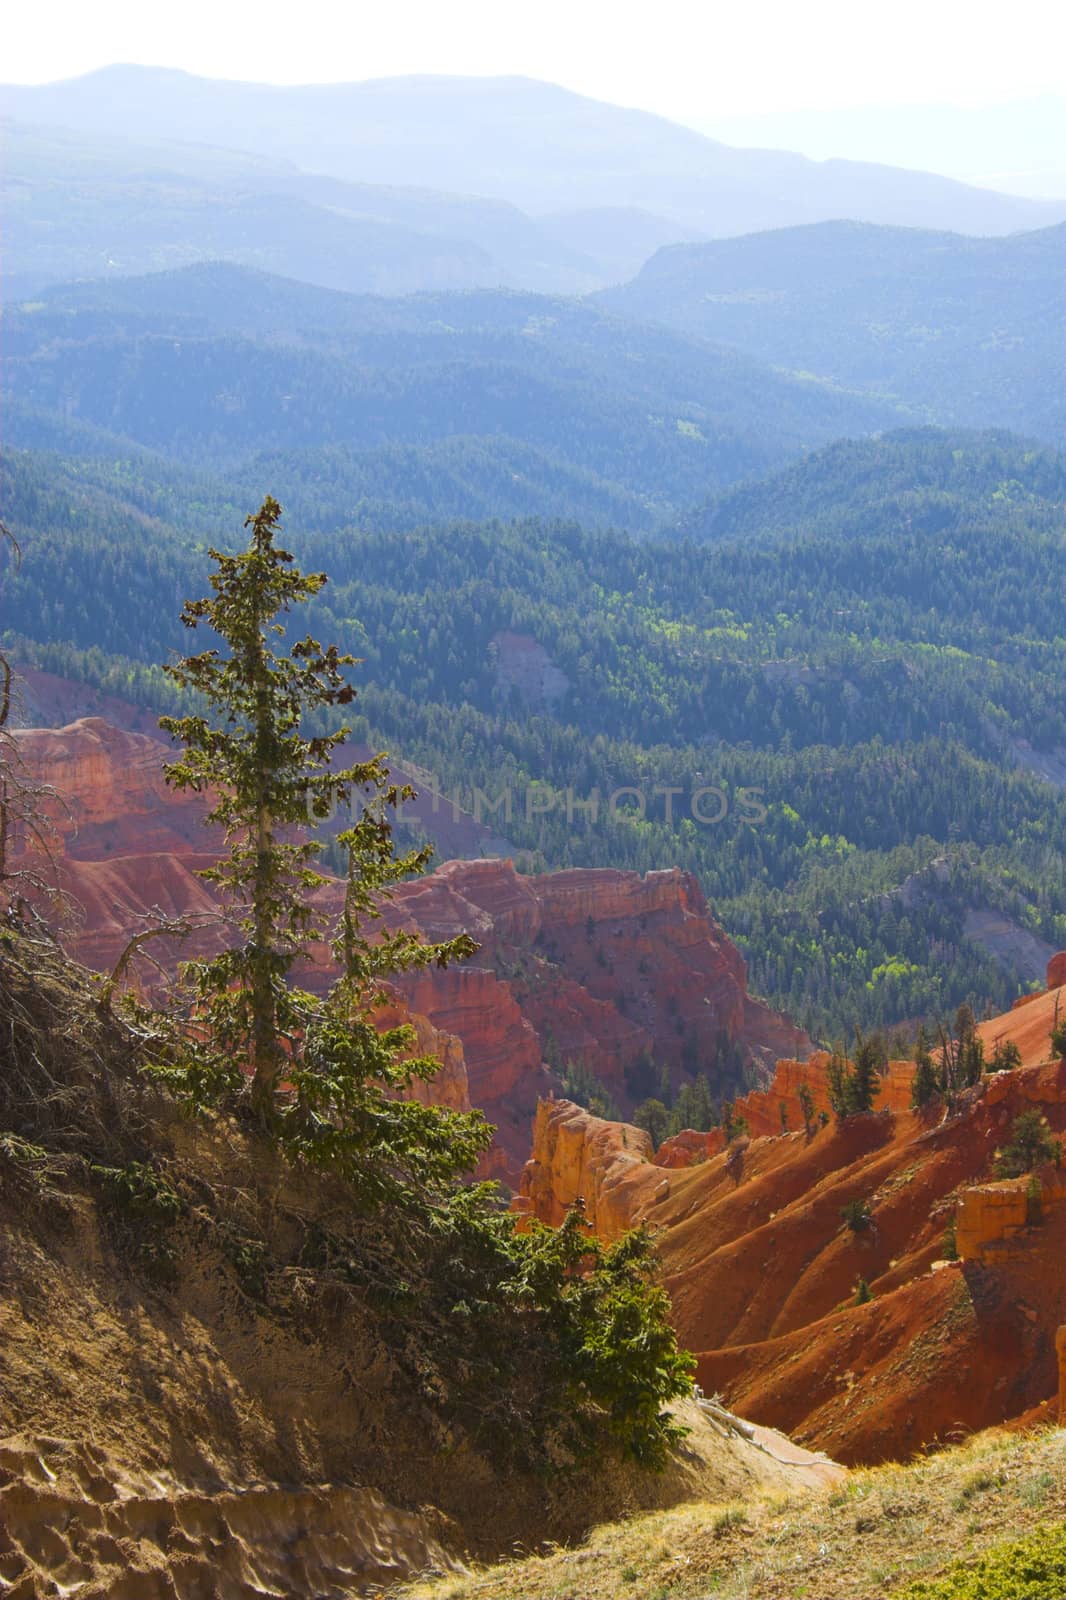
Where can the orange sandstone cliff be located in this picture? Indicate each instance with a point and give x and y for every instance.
(591, 966)
(762, 1269)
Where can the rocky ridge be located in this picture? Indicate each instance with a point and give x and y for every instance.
(593, 966)
(762, 1267)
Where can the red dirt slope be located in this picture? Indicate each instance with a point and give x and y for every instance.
(762, 1270)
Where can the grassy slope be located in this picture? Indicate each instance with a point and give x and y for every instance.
(873, 1536)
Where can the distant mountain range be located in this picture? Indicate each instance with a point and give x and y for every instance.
(92, 205)
(371, 186)
(971, 330)
(1018, 146)
(213, 364)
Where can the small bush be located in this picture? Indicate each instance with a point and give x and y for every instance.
(856, 1215)
(1005, 1056)
(950, 1246)
(144, 1206)
(1033, 1568)
(977, 1483)
(1058, 1037)
(863, 1293)
(1031, 1145)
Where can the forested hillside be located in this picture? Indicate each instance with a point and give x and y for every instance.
(864, 654)
(971, 330)
(217, 364)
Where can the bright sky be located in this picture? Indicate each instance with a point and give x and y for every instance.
(683, 58)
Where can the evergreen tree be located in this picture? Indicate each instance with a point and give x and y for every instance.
(654, 1118)
(806, 1100)
(864, 1082)
(318, 1074)
(924, 1082)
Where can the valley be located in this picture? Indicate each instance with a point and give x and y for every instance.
(532, 964)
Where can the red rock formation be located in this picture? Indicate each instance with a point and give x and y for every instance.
(762, 1270)
(688, 1148)
(762, 1108)
(578, 1157)
(597, 967)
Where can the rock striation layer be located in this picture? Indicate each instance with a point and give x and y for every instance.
(595, 967)
(762, 1265)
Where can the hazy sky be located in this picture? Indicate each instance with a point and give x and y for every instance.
(683, 58)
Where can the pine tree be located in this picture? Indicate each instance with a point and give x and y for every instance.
(806, 1100)
(318, 1074)
(924, 1082)
(864, 1084)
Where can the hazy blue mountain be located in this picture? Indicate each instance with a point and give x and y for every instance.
(1018, 147)
(89, 205)
(971, 330)
(213, 364)
(537, 145)
(620, 238)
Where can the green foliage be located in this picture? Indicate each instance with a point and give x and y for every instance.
(1031, 1145)
(1005, 1056)
(1058, 1037)
(536, 1340)
(145, 1207)
(734, 1126)
(863, 1293)
(869, 646)
(853, 1086)
(569, 1336)
(581, 1085)
(856, 1215)
(1032, 1568)
(925, 1083)
(936, 297)
(325, 1082)
(949, 1248)
(806, 1100)
(654, 1118)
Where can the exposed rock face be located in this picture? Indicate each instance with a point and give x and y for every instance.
(594, 966)
(450, 1087)
(762, 1270)
(762, 1108)
(579, 1157)
(525, 667)
(1056, 970)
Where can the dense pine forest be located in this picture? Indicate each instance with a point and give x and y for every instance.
(862, 655)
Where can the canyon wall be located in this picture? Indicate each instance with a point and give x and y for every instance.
(762, 1266)
(591, 966)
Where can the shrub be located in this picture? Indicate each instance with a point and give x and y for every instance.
(863, 1293)
(144, 1206)
(857, 1215)
(1058, 1037)
(1031, 1144)
(1005, 1056)
(1033, 1568)
(539, 1341)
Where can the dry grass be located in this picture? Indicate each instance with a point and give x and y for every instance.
(866, 1539)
